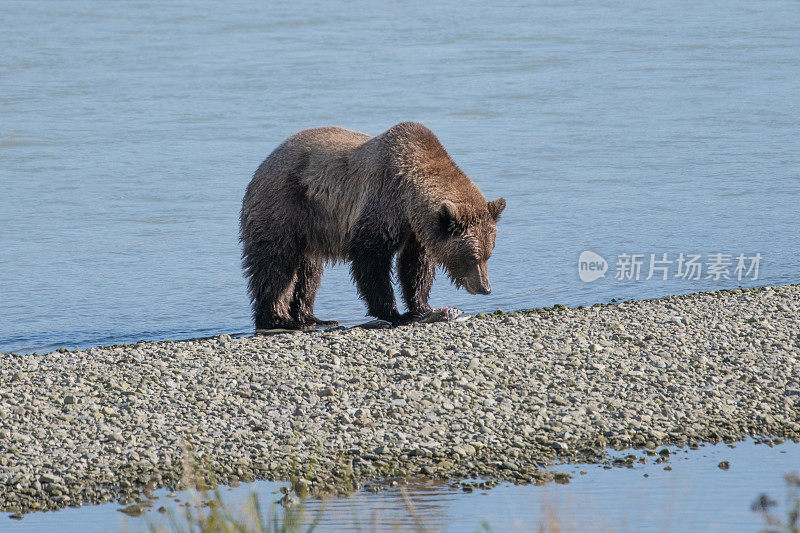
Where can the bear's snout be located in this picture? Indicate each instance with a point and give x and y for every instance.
(477, 288)
(485, 289)
(477, 282)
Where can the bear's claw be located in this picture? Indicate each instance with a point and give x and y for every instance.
(409, 318)
(314, 322)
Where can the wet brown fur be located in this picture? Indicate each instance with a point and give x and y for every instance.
(332, 194)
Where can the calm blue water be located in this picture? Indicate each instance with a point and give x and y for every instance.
(695, 495)
(128, 132)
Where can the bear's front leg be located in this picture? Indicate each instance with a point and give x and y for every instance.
(371, 268)
(416, 273)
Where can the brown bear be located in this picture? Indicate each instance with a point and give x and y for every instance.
(332, 194)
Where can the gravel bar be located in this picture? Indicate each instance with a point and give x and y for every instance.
(497, 397)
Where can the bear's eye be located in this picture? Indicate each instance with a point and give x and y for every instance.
(475, 252)
(449, 227)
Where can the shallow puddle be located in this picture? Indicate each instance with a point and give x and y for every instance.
(695, 495)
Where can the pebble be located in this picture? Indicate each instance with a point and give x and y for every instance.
(336, 410)
(289, 501)
(132, 510)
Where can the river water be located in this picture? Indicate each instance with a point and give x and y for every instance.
(129, 131)
(693, 495)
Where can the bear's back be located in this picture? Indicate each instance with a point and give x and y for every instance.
(330, 140)
(311, 181)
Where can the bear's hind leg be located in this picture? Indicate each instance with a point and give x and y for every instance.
(416, 272)
(301, 308)
(272, 275)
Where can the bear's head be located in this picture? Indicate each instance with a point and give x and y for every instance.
(466, 242)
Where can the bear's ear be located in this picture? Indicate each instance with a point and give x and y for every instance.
(448, 216)
(496, 207)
